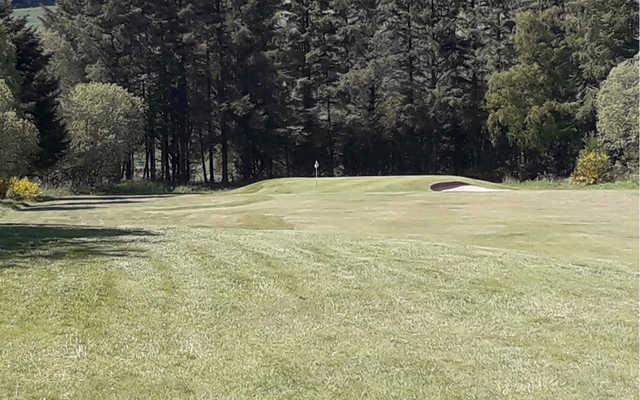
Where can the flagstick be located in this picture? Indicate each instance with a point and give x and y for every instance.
(316, 166)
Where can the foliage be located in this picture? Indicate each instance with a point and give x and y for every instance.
(135, 188)
(18, 137)
(617, 106)
(7, 101)
(601, 34)
(556, 75)
(64, 62)
(184, 190)
(37, 94)
(57, 191)
(8, 61)
(23, 189)
(105, 126)
(255, 89)
(19, 144)
(592, 167)
(513, 97)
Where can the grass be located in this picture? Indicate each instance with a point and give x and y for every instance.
(356, 288)
(565, 184)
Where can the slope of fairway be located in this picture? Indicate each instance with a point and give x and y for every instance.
(357, 184)
(364, 288)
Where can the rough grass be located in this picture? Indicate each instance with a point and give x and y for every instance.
(374, 291)
(566, 184)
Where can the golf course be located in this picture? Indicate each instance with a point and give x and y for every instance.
(344, 288)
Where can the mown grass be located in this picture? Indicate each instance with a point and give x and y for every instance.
(284, 290)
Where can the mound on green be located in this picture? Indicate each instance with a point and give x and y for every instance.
(368, 184)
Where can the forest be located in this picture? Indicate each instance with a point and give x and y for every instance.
(222, 91)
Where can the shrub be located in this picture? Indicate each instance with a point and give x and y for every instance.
(617, 107)
(18, 136)
(183, 190)
(23, 189)
(135, 188)
(592, 167)
(50, 192)
(105, 124)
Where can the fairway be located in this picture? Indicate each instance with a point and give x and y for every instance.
(373, 288)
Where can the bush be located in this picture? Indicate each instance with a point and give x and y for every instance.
(23, 189)
(184, 189)
(18, 136)
(135, 188)
(593, 167)
(50, 192)
(105, 124)
(617, 107)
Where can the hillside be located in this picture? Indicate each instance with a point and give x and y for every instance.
(33, 14)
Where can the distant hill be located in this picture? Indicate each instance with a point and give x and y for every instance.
(32, 15)
(32, 3)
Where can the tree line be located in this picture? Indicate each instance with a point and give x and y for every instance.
(222, 90)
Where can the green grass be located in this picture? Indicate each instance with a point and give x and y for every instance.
(357, 288)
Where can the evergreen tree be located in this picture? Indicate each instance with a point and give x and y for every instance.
(38, 91)
(8, 62)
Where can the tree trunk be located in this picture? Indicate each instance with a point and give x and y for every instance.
(332, 165)
(130, 167)
(152, 158)
(212, 175)
(203, 158)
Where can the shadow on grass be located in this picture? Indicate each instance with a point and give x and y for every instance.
(20, 243)
(72, 205)
(112, 197)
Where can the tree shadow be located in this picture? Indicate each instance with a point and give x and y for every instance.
(113, 197)
(20, 244)
(72, 205)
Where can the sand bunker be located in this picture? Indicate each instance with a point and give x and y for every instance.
(461, 187)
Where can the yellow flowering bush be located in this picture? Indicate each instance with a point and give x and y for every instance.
(23, 189)
(592, 167)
